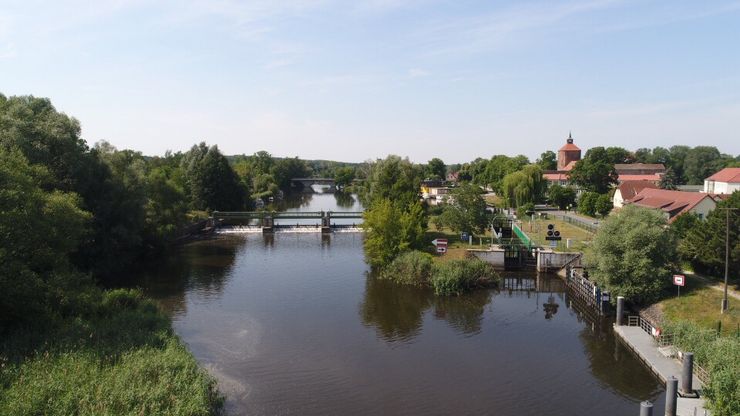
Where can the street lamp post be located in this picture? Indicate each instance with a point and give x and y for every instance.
(725, 302)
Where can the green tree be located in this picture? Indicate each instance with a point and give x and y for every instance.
(701, 162)
(595, 172)
(466, 210)
(548, 160)
(617, 155)
(211, 182)
(562, 196)
(497, 168)
(632, 254)
(587, 203)
(684, 223)
(286, 169)
(603, 205)
(391, 229)
(677, 158)
(669, 180)
(524, 186)
(39, 229)
(436, 168)
(704, 244)
(344, 176)
(392, 178)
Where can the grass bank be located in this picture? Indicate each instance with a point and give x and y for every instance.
(700, 304)
(537, 231)
(116, 355)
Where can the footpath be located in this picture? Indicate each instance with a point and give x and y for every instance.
(645, 347)
(714, 284)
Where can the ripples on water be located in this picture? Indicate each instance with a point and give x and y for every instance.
(295, 324)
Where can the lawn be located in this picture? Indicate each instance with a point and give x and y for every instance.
(537, 231)
(700, 304)
(456, 248)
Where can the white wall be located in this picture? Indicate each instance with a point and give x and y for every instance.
(618, 201)
(704, 207)
(715, 187)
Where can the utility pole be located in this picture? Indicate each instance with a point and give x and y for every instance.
(725, 303)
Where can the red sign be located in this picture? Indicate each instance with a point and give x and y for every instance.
(440, 242)
(679, 280)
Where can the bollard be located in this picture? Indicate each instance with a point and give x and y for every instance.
(671, 396)
(646, 408)
(687, 374)
(620, 309)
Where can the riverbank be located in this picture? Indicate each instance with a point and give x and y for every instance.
(115, 354)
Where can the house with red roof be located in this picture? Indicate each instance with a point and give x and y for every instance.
(629, 189)
(725, 181)
(639, 172)
(674, 203)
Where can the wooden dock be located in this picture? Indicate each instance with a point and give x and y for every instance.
(646, 349)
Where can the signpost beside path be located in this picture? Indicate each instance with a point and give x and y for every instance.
(441, 244)
(679, 280)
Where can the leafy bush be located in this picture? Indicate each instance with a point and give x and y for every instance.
(632, 254)
(410, 268)
(720, 356)
(457, 276)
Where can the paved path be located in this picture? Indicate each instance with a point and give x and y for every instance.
(714, 284)
(647, 350)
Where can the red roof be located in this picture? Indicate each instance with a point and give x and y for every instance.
(647, 178)
(569, 146)
(629, 189)
(570, 165)
(556, 176)
(726, 175)
(674, 203)
(639, 166)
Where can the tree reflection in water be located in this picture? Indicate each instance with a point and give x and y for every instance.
(397, 311)
(344, 200)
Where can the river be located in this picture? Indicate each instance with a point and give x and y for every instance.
(294, 324)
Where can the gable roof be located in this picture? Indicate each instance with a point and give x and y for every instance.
(653, 177)
(628, 189)
(726, 175)
(674, 203)
(638, 166)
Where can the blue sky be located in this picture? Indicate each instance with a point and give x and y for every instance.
(354, 80)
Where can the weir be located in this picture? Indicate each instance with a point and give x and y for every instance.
(269, 222)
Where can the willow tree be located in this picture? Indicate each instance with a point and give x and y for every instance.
(523, 186)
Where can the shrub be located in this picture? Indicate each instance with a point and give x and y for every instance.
(720, 356)
(457, 276)
(410, 268)
(632, 254)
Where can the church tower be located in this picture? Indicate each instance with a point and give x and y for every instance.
(568, 155)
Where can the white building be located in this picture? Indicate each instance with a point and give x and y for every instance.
(725, 181)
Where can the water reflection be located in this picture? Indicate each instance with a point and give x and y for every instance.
(344, 200)
(463, 313)
(395, 311)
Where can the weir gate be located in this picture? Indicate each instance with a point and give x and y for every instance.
(270, 221)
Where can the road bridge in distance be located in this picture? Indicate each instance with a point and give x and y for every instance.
(306, 183)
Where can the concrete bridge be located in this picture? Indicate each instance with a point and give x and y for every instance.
(267, 219)
(306, 183)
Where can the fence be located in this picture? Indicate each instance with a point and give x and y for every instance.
(664, 340)
(590, 227)
(587, 291)
(524, 238)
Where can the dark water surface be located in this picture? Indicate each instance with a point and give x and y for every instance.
(295, 325)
